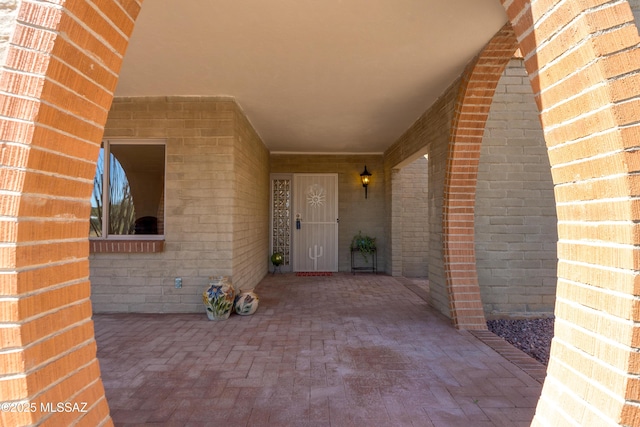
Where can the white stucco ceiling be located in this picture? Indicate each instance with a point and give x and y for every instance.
(331, 76)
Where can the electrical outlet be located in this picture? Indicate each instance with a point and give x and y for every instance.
(178, 282)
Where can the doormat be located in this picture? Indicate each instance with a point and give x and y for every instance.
(314, 273)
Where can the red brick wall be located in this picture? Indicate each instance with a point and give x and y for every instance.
(582, 58)
(57, 94)
(476, 91)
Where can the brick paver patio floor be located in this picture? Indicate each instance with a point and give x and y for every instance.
(344, 350)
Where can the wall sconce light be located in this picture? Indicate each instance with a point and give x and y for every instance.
(364, 176)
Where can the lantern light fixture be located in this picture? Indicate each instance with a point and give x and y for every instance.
(365, 176)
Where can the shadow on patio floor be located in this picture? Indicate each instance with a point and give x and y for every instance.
(343, 350)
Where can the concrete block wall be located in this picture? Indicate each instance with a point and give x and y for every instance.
(440, 115)
(415, 218)
(428, 135)
(355, 212)
(215, 222)
(515, 216)
(393, 200)
(515, 219)
(8, 16)
(635, 8)
(251, 206)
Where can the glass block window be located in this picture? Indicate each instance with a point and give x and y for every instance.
(281, 227)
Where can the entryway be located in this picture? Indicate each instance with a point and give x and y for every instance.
(304, 225)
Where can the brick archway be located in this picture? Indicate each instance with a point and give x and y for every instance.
(59, 75)
(583, 60)
(478, 85)
(58, 80)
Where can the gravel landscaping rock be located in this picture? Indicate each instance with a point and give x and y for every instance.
(533, 336)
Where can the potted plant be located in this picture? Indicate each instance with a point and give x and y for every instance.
(364, 244)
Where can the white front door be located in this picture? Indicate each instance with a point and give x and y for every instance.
(315, 231)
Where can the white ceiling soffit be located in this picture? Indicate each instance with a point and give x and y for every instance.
(332, 76)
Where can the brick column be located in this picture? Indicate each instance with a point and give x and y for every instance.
(395, 206)
(478, 85)
(59, 74)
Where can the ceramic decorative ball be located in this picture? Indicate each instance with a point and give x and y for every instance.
(277, 258)
(246, 303)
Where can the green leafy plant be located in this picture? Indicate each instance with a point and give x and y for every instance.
(364, 244)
